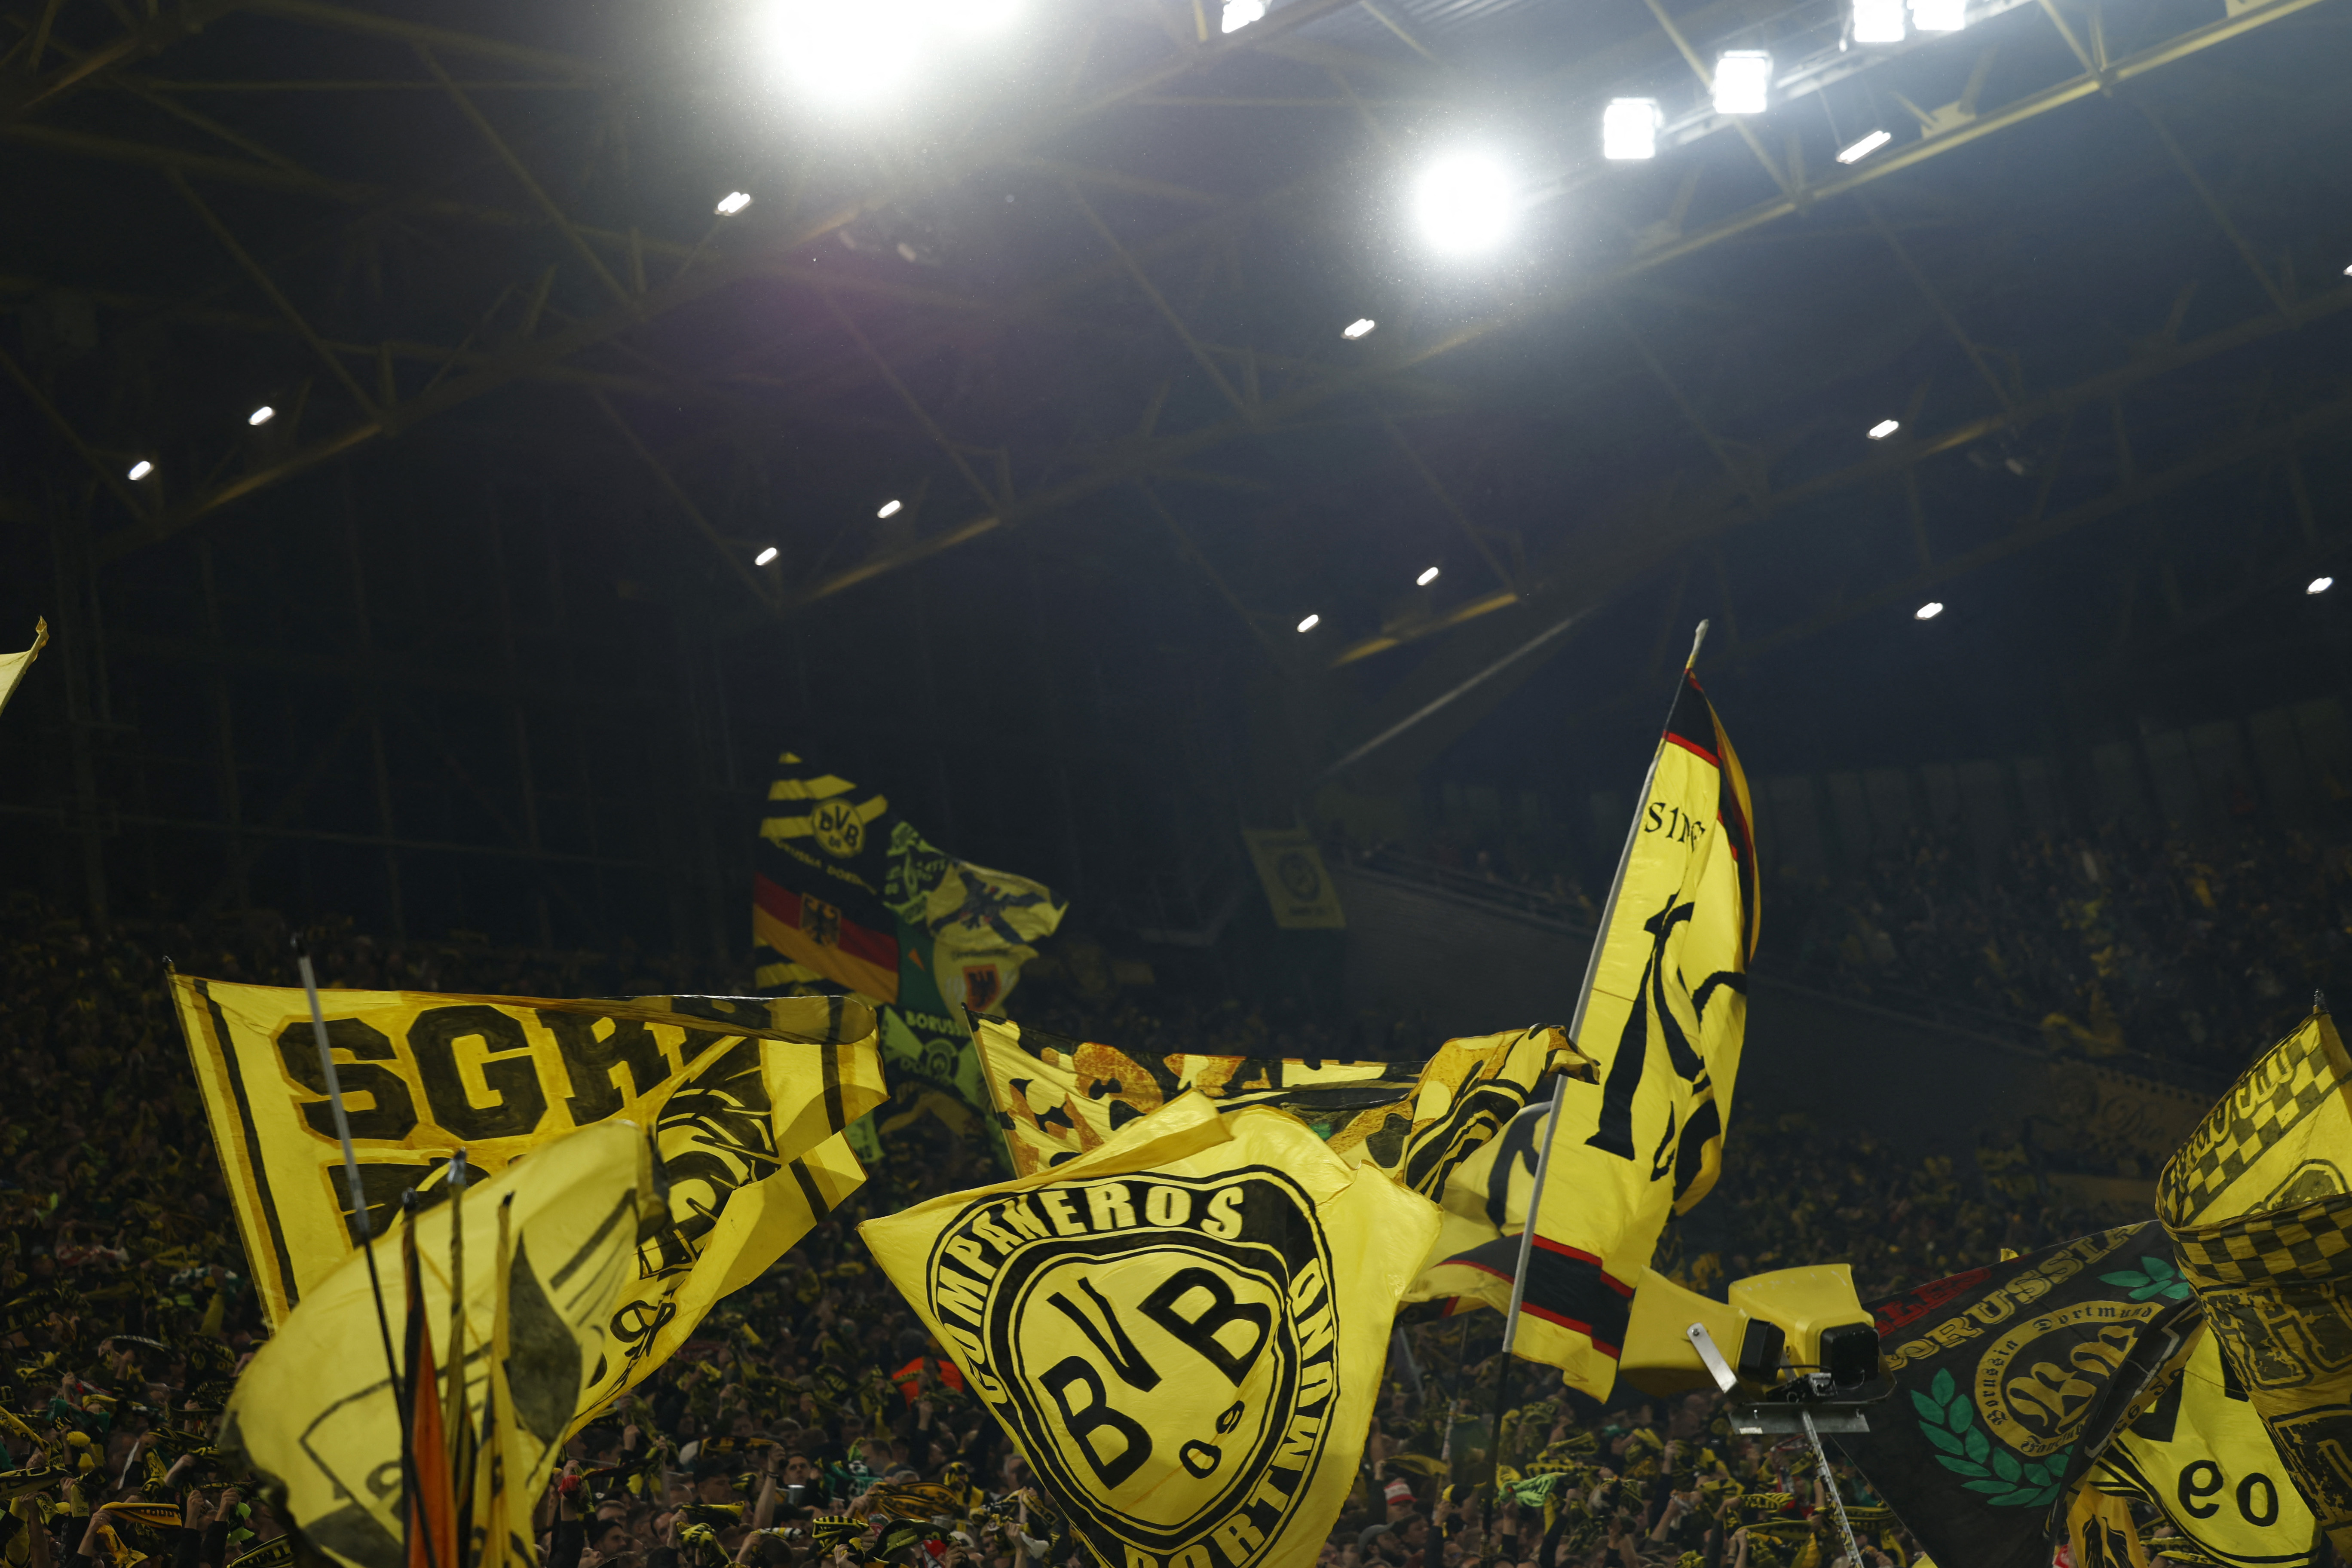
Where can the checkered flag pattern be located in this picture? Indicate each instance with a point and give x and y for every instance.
(2294, 1079)
(2305, 1242)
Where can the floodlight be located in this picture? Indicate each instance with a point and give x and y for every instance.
(2319, 585)
(848, 53)
(1939, 16)
(1865, 147)
(142, 469)
(733, 202)
(1361, 327)
(890, 509)
(1883, 428)
(764, 556)
(261, 415)
(1426, 578)
(1928, 611)
(1877, 21)
(1629, 128)
(1465, 202)
(1240, 13)
(1310, 622)
(1743, 82)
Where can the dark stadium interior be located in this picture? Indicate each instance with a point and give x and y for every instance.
(472, 659)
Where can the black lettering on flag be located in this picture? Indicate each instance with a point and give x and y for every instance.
(1083, 1422)
(433, 1039)
(588, 1062)
(391, 1111)
(1201, 1330)
(1120, 1349)
(1615, 1135)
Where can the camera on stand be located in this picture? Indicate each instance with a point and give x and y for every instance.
(1803, 1354)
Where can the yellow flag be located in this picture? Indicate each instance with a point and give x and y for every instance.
(315, 1414)
(2100, 1533)
(1183, 1329)
(2202, 1456)
(1058, 1098)
(745, 1097)
(1665, 1018)
(2261, 1216)
(1298, 889)
(13, 666)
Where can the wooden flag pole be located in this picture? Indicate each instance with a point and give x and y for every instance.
(1576, 1026)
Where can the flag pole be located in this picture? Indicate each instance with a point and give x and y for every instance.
(1576, 1024)
(358, 1202)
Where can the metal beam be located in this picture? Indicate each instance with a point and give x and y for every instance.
(261, 279)
(2135, 491)
(930, 427)
(2213, 208)
(532, 187)
(159, 31)
(1142, 281)
(685, 503)
(103, 472)
(1445, 499)
(720, 273)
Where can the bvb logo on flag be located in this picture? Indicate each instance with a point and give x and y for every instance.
(839, 827)
(1141, 1330)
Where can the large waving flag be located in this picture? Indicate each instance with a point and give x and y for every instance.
(2201, 1456)
(2259, 1210)
(1183, 1329)
(746, 1098)
(318, 1413)
(2009, 1380)
(1664, 1012)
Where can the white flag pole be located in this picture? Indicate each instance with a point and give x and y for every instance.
(1583, 1003)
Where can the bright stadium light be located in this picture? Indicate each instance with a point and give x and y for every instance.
(848, 53)
(733, 202)
(1426, 578)
(1310, 622)
(1928, 611)
(1743, 82)
(261, 415)
(1361, 327)
(890, 509)
(1883, 428)
(1465, 202)
(1629, 128)
(1240, 13)
(2319, 585)
(1877, 21)
(1865, 147)
(142, 469)
(1939, 16)
(764, 556)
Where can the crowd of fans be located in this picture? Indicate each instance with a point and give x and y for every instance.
(812, 1421)
(2197, 953)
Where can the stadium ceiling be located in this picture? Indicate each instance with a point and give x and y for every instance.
(1104, 259)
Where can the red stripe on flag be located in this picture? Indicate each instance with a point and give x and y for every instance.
(1549, 1246)
(1604, 1346)
(1695, 749)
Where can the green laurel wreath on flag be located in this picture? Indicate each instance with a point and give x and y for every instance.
(2155, 1277)
(1948, 1422)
